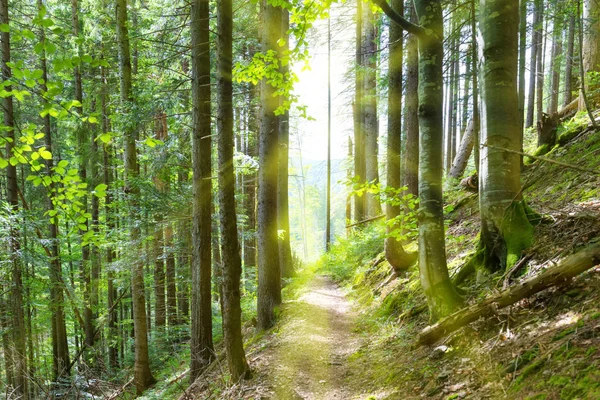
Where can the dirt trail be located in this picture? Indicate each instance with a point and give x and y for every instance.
(309, 357)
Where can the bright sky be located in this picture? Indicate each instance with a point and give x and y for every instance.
(312, 88)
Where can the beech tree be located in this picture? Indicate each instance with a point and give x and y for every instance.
(505, 229)
(442, 297)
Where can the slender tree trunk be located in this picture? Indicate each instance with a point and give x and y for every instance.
(202, 351)
(142, 375)
(159, 277)
(411, 118)
(283, 218)
(170, 276)
(505, 230)
(535, 49)
(370, 117)
(232, 263)
(555, 63)
(522, 66)
(357, 112)
(541, 64)
(19, 353)
(60, 348)
(568, 88)
(250, 197)
(475, 69)
(269, 273)
(394, 252)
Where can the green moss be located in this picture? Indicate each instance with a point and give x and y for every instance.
(543, 149)
(530, 370)
(517, 232)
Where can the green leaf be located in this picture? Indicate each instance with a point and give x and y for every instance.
(4, 28)
(45, 154)
(101, 187)
(62, 163)
(28, 34)
(3, 163)
(105, 137)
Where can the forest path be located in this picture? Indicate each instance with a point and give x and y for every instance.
(309, 359)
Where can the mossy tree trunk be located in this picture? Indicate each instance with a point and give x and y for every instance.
(269, 273)
(394, 252)
(505, 230)
(411, 118)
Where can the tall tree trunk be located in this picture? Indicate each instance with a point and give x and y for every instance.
(505, 230)
(522, 65)
(591, 45)
(394, 252)
(541, 64)
(371, 122)
(250, 196)
(232, 263)
(269, 273)
(60, 348)
(474, 78)
(555, 61)
(441, 295)
(537, 26)
(569, 61)
(283, 206)
(19, 353)
(142, 375)
(159, 277)
(360, 202)
(411, 115)
(170, 276)
(202, 351)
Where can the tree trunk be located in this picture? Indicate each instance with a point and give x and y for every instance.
(522, 66)
(250, 197)
(591, 45)
(357, 112)
(142, 374)
(537, 26)
(159, 277)
(557, 32)
(283, 206)
(464, 152)
(394, 252)
(568, 88)
(371, 123)
(540, 64)
(60, 347)
(170, 279)
(19, 353)
(475, 69)
(269, 273)
(505, 229)
(411, 115)
(232, 263)
(442, 298)
(202, 351)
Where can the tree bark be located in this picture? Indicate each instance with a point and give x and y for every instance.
(537, 25)
(357, 112)
(557, 32)
(231, 262)
(60, 347)
(19, 353)
(568, 88)
(283, 206)
(202, 350)
(541, 64)
(558, 275)
(411, 118)
(591, 45)
(142, 375)
(369, 112)
(505, 229)
(269, 273)
(464, 152)
(394, 252)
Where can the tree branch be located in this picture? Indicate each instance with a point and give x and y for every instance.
(405, 24)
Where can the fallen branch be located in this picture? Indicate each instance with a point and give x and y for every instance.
(545, 159)
(117, 393)
(364, 221)
(553, 276)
